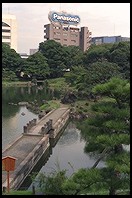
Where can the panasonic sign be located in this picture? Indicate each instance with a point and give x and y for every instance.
(64, 18)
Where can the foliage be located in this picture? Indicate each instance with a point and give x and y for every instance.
(55, 54)
(120, 54)
(50, 105)
(10, 59)
(74, 56)
(52, 184)
(108, 130)
(36, 66)
(58, 83)
(84, 179)
(19, 192)
(52, 60)
(96, 53)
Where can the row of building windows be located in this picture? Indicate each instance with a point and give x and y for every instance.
(4, 30)
(65, 34)
(65, 40)
(6, 37)
(66, 29)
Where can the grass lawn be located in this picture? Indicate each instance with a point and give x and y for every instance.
(52, 104)
(19, 192)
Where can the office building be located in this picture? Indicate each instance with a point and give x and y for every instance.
(65, 30)
(108, 39)
(9, 30)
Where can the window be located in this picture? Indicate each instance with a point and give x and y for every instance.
(56, 39)
(73, 41)
(56, 27)
(5, 24)
(57, 33)
(3, 30)
(6, 37)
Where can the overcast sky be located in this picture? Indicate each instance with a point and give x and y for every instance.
(102, 19)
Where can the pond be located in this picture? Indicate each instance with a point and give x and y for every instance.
(67, 153)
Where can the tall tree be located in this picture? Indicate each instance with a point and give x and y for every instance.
(55, 54)
(108, 130)
(36, 66)
(74, 56)
(120, 54)
(10, 59)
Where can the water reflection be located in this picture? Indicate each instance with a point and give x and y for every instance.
(71, 135)
(12, 120)
(67, 151)
(12, 124)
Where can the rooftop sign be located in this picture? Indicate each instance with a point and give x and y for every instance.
(64, 18)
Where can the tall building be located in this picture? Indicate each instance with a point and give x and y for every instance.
(65, 30)
(108, 39)
(9, 30)
(85, 38)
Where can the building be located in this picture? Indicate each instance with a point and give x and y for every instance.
(9, 30)
(85, 38)
(65, 30)
(33, 51)
(108, 39)
(24, 55)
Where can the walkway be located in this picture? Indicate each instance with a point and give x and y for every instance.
(25, 144)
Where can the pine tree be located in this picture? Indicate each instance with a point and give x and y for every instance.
(108, 130)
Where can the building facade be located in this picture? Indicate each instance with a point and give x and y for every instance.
(9, 30)
(33, 51)
(66, 31)
(108, 39)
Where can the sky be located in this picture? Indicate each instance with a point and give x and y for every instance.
(102, 19)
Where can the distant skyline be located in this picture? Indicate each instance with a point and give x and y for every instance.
(102, 19)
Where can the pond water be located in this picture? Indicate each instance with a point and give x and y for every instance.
(67, 153)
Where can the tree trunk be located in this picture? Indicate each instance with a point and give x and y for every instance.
(112, 191)
(100, 158)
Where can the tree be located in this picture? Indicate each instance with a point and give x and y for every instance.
(108, 130)
(74, 56)
(55, 54)
(98, 72)
(52, 184)
(36, 66)
(120, 54)
(96, 53)
(10, 59)
(81, 181)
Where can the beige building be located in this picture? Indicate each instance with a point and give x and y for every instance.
(65, 30)
(9, 30)
(67, 35)
(33, 51)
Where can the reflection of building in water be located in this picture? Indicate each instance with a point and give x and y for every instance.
(22, 90)
(29, 89)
